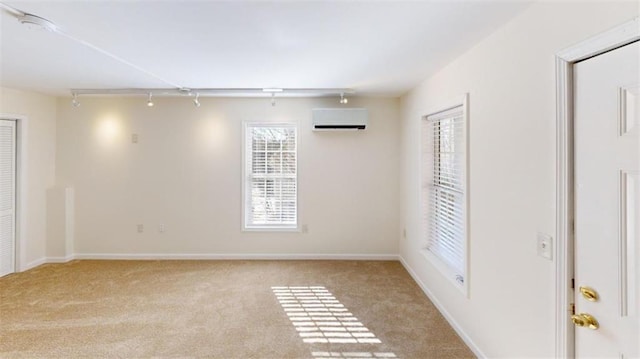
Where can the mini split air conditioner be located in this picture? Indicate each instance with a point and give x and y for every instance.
(339, 119)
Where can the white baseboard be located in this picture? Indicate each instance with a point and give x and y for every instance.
(60, 259)
(232, 256)
(465, 337)
(211, 256)
(33, 264)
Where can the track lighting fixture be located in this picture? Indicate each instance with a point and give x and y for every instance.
(75, 101)
(218, 91)
(271, 89)
(194, 93)
(196, 101)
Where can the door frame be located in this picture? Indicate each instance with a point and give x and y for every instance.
(609, 40)
(20, 262)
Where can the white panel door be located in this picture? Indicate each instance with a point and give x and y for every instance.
(7, 196)
(607, 212)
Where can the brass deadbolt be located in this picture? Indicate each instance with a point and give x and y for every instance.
(589, 294)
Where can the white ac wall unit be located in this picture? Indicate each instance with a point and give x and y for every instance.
(339, 119)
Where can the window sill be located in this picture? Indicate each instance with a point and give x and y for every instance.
(447, 272)
(271, 229)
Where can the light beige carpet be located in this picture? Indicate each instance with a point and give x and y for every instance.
(221, 309)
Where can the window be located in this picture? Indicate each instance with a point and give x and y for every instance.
(270, 188)
(444, 191)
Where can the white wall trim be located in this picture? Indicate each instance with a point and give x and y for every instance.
(237, 256)
(33, 264)
(59, 259)
(69, 221)
(618, 36)
(211, 256)
(565, 59)
(465, 337)
(21, 192)
(564, 210)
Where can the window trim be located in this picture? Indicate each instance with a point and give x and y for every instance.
(435, 261)
(245, 204)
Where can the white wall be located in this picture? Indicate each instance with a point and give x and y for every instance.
(511, 81)
(185, 173)
(37, 133)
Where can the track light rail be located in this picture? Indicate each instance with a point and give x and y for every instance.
(221, 92)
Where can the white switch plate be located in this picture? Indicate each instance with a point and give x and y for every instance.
(545, 246)
(140, 228)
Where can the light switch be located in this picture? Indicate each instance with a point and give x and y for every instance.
(545, 246)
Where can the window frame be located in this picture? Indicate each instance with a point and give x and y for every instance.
(246, 199)
(445, 269)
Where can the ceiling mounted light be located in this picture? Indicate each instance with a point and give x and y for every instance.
(343, 100)
(149, 101)
(37, 22)
(196, 101)
(75, 101)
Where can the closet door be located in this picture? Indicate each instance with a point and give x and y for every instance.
(7, 196)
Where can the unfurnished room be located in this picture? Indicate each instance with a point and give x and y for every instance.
(319, 179)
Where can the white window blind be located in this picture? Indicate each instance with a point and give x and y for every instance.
(444, 189)
(271, 176)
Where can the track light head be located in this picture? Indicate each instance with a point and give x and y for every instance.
(75, 101)
(149, 101)
(196, 101)
(343, 100)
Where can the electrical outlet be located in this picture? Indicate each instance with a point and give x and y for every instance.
(161, 228)
(134, 138)
(305, 228)
(140, 228)
(545, 246)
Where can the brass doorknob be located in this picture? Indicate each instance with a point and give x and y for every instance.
(585, 320)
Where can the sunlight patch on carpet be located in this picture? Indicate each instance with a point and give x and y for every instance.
(352, 355)
(320, 318)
